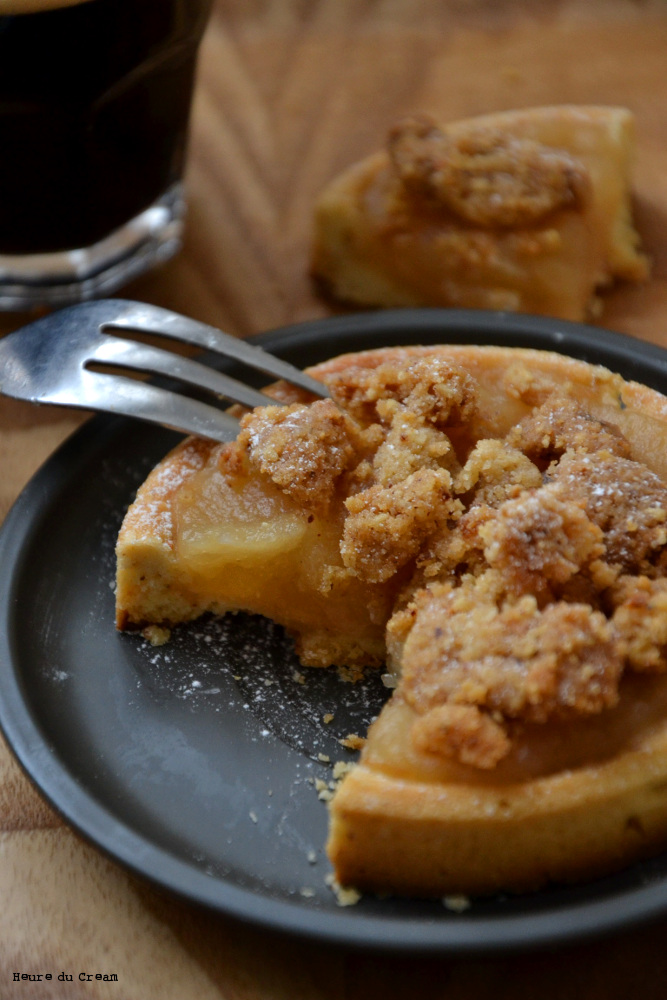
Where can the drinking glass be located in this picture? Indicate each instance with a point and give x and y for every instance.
(94, 104)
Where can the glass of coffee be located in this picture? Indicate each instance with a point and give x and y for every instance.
(94, 104)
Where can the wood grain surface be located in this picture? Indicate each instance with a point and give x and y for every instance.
(289, 93)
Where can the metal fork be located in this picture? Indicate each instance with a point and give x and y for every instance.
(49, 361)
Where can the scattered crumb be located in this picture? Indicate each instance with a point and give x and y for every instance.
(324, 792)
(307, 892)
(341, 768)
(345, 895)
(352, 741)
(324, 758)
(326, 719)
(351, 674)
(457, 904)
(253, 816)
(157, 635)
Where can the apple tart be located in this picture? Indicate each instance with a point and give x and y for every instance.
(489, 526)
(528, 211)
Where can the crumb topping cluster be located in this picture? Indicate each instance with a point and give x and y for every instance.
(485, 177)
(530, 569)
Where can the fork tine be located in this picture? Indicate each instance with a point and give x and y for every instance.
(153, 319)
(142, 357)
(129, 398)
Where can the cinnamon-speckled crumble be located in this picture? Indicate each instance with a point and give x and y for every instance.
(304, 449)
(485, 176)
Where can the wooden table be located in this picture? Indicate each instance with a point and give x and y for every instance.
(289, 93)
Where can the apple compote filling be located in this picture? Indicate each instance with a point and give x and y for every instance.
(244, 540)
(243, 520)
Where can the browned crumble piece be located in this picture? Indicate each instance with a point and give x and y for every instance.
(458, 552)
(303, 448)
(588, 586)
(349, 388)
(603, 576)
(438, 391)
(411, 445)
(462, 732)
(538, 540)
(485, 177)
(386, 526)
(625, 499)
(398, 629)
(560, 425)
(640, 622)
(517, 661)
(496, 472)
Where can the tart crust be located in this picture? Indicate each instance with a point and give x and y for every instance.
(426, 834)
(574, 798)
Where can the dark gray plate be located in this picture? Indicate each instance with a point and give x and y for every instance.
(195, 764)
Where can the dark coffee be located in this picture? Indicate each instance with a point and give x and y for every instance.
(94, 103)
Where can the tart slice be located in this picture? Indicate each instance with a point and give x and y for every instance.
(527, 211)
(492, 524)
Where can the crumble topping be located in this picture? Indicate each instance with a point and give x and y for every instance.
(561, 425)
(529, 569)
(626, 500)
(303, 448)
(461, 731)
(496, 471)
(386, 526)
(434, 389)
(411, 444)
(516, 662)
(537, 559)
(640, 622)
(538, 541)
(485, 176)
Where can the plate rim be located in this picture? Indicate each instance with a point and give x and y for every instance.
(449, 933)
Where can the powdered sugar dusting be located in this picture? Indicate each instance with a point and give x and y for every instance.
(309, 709)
